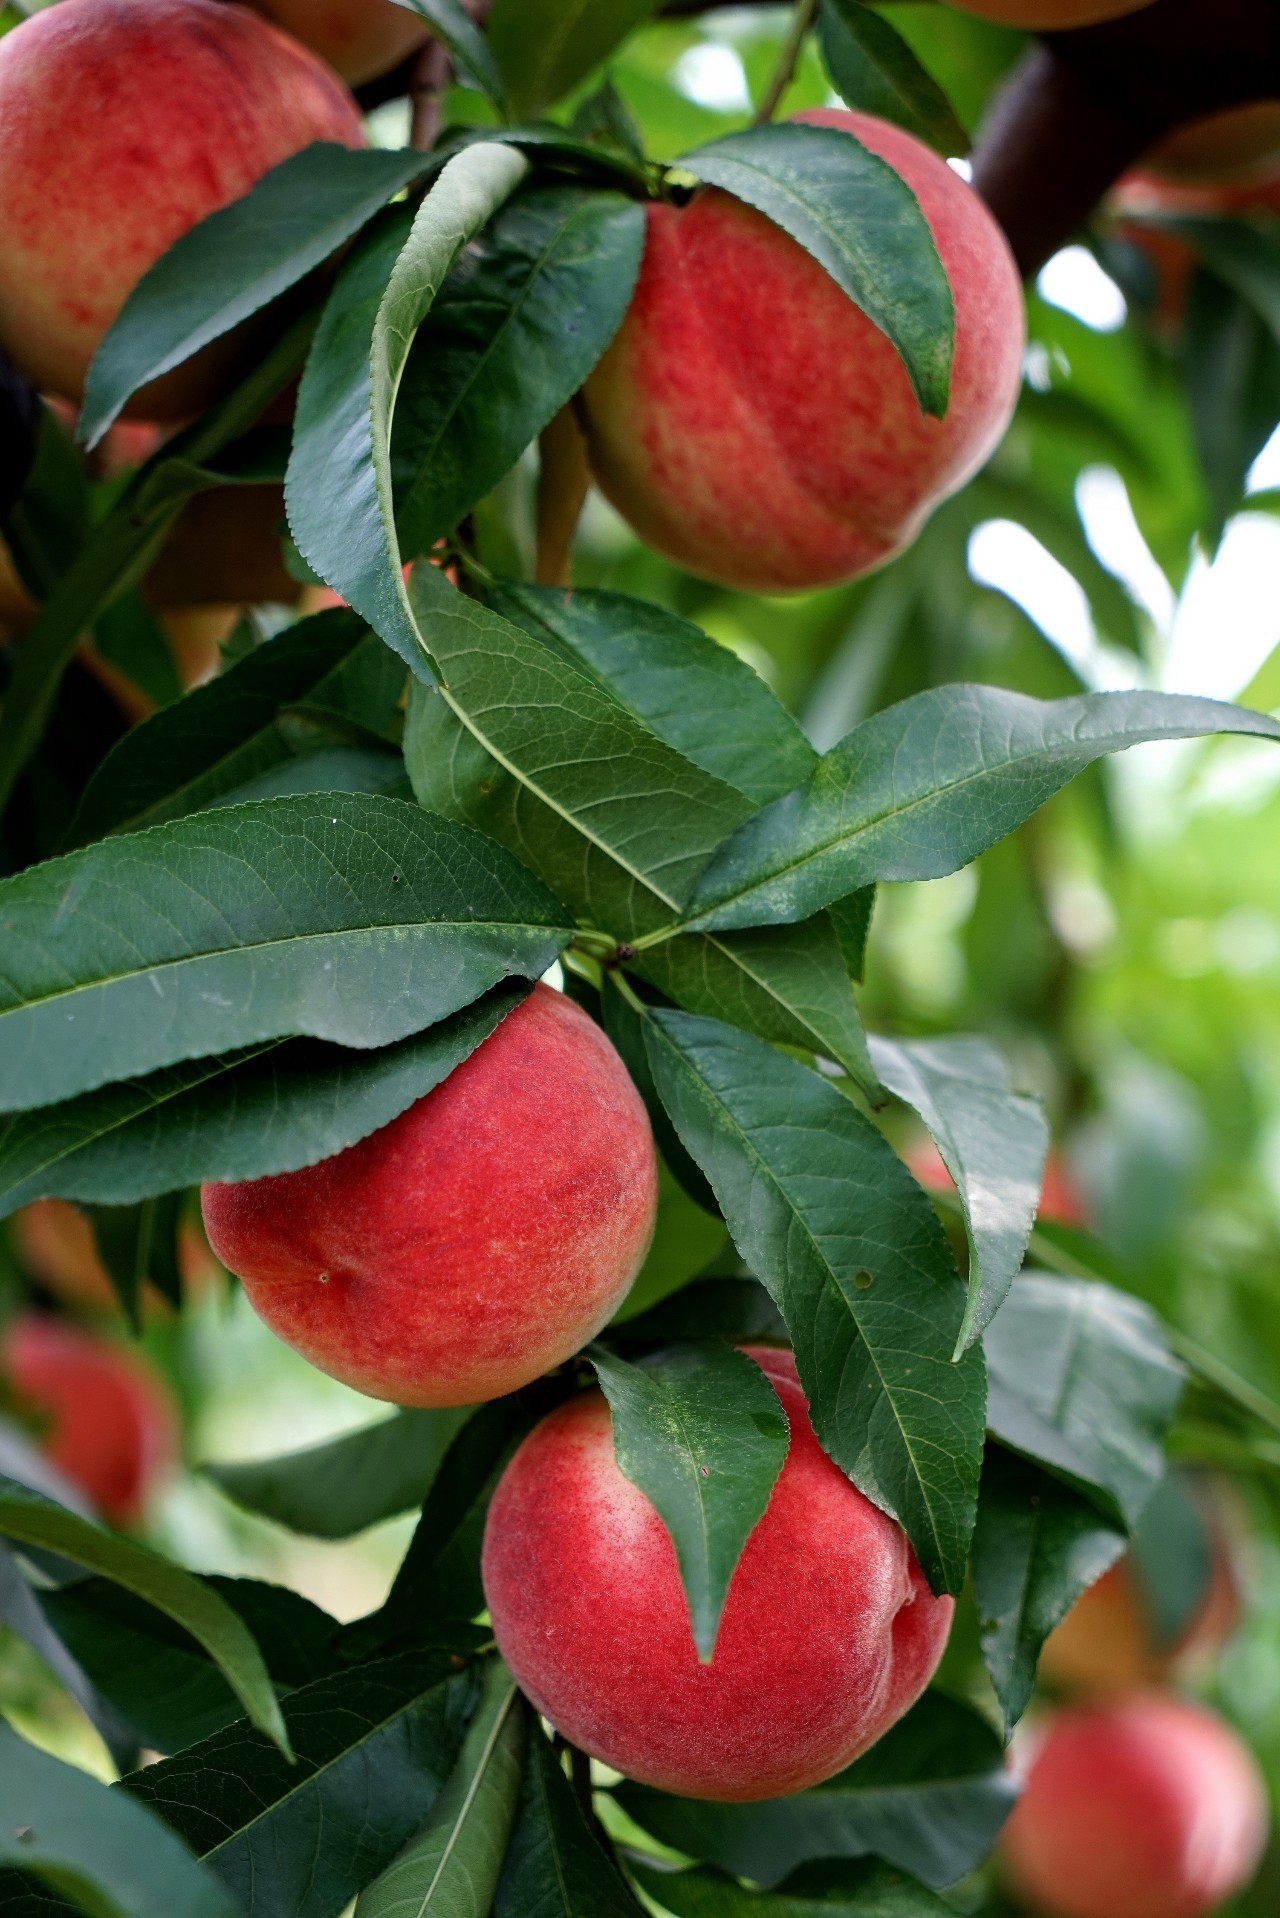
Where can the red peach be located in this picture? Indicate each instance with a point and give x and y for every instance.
(476, 1241)
(828, 1635)
(122, 124)
(1060, 1198)
(361, 38)
(112, 1427)
(1146, 1807)
(752, 423)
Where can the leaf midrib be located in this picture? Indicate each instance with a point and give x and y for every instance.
(469, 1797)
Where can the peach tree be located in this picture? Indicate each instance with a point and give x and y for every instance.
(290, 934)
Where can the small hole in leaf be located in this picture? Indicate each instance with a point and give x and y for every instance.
(862, 1280)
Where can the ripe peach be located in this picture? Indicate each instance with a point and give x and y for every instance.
(224, 549)
(1146, 1807)
(56, 1244)
(753, 425)
(112, 1427)
(479, 1239)
(123, 123)
(1106, 1642)
(829, 1632)
(1060, 1197)
(361, 38)
(1048, 16)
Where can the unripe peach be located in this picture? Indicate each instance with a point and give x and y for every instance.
(122, 124)
(752, 423)
(361, 38)
(479, 1239)
(829, 1632)
(112, 1429)
(1048, 16)
(1146, 1807)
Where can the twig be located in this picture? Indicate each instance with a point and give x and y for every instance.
(784, 73)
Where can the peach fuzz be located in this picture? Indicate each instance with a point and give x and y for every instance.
(361, 38)
(752, 424)
(109, 1424)
(828, 1635)
(476, 1241)
(1147, 1807)
(122, 124)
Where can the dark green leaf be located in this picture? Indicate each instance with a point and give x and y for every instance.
(374, 1748)
(544, 47)
(159, 1680)
(875, 71)
(861, 1889)
(236, 261)
(925, 786)
(450, 1868)
(605, 119)
(861, 222)
(993, 1142)
(700, 1431)
(288, 1104)
(225, 733)
(829, 1219)
(1231, 360)
(346, 1484)
(338, 488)
(1172, 1557)
(453, 26)
(737, 1309)
(625, 1028)
(1082, 1381)
(515, 330)
(21, 1612)
(1037, 1545)
(30, 1519)
(692, 692)
(138, 1243)
(929, 1797)
(107, 1855)
(556, 1867)
(350, 918)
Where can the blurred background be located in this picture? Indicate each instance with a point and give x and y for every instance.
(1123, 949)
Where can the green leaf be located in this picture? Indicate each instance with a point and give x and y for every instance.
(544, 47)
(851, 917)
(922, 788)
(350, 918)
(453, 26)
(875, 71)
(1172, 1558)
(450, 1869)
(993, 1142)
(535, 751)
(737, 1309)
(26, 1616)
(91, 1844)
(830, 1890)
(344, 1485)
(685, 1241)
(699, 1429)
(1083, 1382)
(516, 328)
(1037, 1545)
(206, 746)
(288, 1104)
(32, 1520)
(693, 693)
(829, 1219)
(158, 1678)
(555, 1866)
(338, 489)
(929, 1797)
(137, 1243)
(861, 222)
(374, 1748)
(1231, 370)
(236, 261)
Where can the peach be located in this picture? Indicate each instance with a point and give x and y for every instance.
(361, 38)
(123, 123)
(829, 1632)
(1106, 1643)
(111, 1425)
(753, 425)
(476, 1241)
(1146, 1807)
(1049, 16)
(55, 1242)
(1236, 146)
(224, 549)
